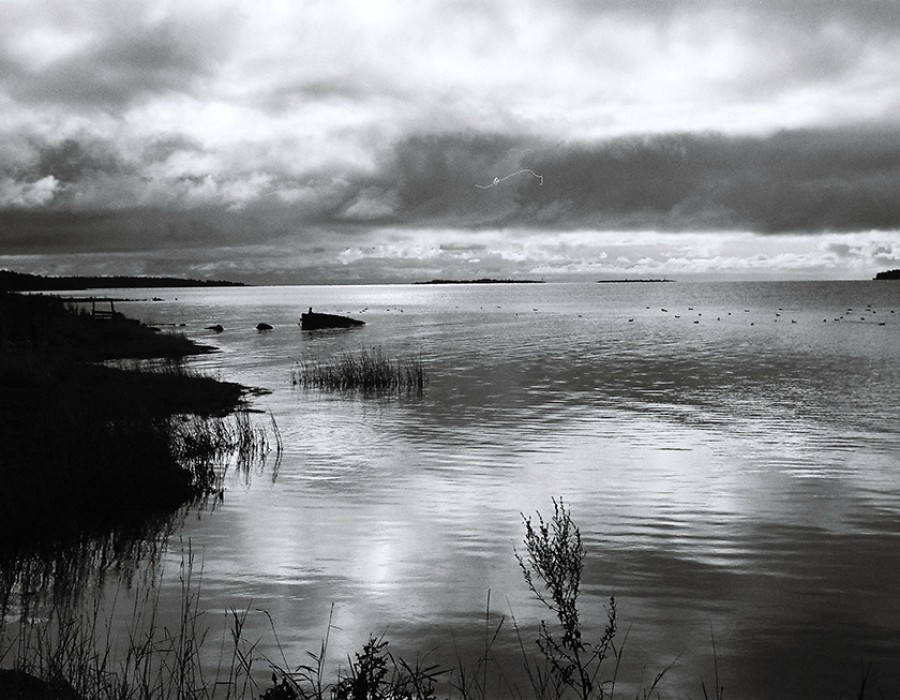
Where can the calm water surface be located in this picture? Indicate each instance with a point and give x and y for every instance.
(731, 453)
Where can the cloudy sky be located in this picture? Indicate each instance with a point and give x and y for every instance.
(337, 141)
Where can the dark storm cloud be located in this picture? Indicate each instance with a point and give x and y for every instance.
(74, 160)
(876, 15)
(137, 230)
(438, 172)
(50, 178)
(114, 69)
(797, 181)
(346, 87)
(789, 182)
(163, 147)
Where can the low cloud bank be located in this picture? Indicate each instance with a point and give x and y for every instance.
(86, 195)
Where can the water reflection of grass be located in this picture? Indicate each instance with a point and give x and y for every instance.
(365, 370)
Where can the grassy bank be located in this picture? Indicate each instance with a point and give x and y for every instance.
(88, 446)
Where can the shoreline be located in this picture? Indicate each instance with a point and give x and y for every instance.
(93, 447)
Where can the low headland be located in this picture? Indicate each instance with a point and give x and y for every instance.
(89, 445)
(628, 281)
(888, 275)
(21, 282)
(483, 280)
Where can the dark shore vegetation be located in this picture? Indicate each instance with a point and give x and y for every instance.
(88, 446)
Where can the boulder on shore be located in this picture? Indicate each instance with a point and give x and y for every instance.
(18, 685)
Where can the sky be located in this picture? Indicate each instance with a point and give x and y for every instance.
(331, 141)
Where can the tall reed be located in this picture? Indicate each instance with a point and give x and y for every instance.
(82, 653)
(368, 371)
(209, 448)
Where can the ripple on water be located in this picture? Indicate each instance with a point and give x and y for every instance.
(727, 477)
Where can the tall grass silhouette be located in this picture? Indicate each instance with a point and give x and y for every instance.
(367, 371)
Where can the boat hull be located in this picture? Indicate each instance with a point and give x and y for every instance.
(314, 321)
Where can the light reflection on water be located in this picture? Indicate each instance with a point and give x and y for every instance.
(731, 460)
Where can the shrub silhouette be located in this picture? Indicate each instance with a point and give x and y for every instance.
(552, 566)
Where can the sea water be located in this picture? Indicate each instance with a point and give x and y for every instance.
(729, 451)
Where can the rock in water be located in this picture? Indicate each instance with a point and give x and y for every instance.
(313, 321)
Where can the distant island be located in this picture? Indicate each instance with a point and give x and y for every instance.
(21, 282)
(627, 281)
(484, 280)
(888, 275)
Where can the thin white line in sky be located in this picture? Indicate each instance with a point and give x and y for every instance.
(498, 180)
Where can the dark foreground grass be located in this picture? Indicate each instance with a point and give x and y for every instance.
(74, 652)
(87, 447)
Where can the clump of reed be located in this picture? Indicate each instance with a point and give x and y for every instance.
(80, 653)
(209, 447)
(368, 371)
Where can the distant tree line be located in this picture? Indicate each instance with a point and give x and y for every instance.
(888, 275)
(20, 282)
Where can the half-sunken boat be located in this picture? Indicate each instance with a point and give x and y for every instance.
(315, 321)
